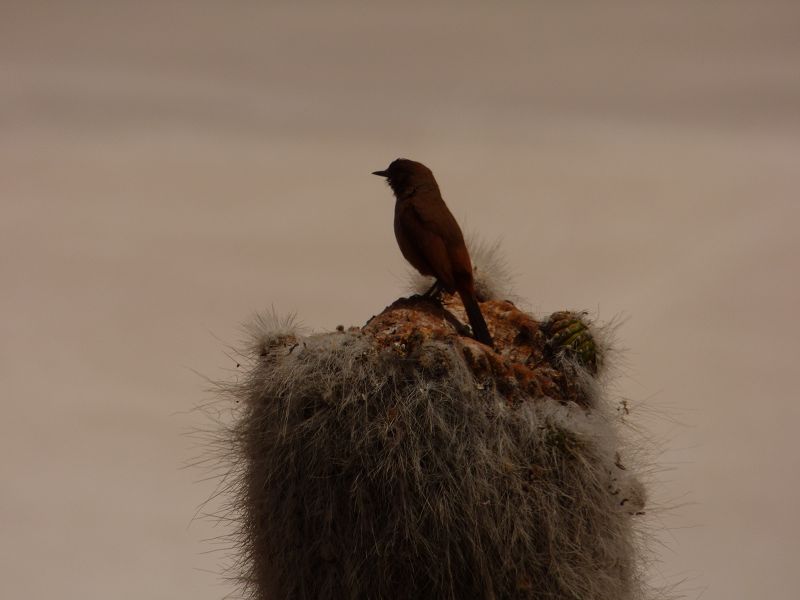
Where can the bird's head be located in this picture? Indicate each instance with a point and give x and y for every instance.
(405, 176)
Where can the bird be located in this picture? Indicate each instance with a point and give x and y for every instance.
(430, 238)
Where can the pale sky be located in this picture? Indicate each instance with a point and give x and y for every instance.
(168, 168)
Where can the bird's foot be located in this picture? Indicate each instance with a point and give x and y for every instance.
(434, 292)
(464, 330)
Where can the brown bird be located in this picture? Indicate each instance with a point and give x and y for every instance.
(430, 238)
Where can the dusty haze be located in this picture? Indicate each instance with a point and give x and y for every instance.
(167, 168)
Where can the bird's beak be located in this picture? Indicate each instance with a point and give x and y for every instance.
(380, 173)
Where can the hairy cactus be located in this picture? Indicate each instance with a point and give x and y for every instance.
(403, 459)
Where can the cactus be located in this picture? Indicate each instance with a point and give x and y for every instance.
(403, 459)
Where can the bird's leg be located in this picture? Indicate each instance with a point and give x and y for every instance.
(434, 292)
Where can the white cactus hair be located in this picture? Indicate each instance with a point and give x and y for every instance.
(265, 329)
(354, 474)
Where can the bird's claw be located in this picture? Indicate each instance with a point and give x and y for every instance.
(434, 292)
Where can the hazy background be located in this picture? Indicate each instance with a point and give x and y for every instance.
(167, 168)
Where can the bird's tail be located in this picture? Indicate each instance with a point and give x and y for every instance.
(476, 320)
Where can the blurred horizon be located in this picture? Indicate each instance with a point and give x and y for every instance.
(167, 169)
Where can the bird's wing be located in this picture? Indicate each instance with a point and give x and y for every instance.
(428, 244)
(437, 218)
